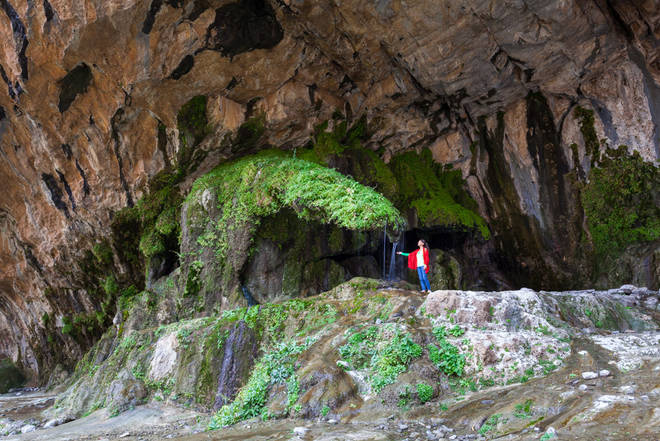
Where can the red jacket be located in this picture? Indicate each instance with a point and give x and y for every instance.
(412, 259)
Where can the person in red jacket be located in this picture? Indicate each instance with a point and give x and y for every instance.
(420, 259)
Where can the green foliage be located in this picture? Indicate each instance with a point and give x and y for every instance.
(446, 356)
(127, 297)
(386, 352)
(524, 410)
(438, 195)
(325, 410)
(110, 285)
(490, 424)
(620, 202)
(275, 367)
(192, 282)
(260, 185)
(103, 253)
(249, 133)
(585, 119)
(424, 392)
(10, 377)
(441, 332)
(192, 122)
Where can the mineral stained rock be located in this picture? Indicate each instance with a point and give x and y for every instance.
(511, 93)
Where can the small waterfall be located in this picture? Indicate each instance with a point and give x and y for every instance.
(248, 296)
(384, 250)
(391, 276)
(237, 361)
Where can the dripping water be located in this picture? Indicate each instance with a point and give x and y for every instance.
(391, 275)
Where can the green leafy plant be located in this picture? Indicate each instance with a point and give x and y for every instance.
(620, 201)
(275, 367)
(424, 392)
(524, 410)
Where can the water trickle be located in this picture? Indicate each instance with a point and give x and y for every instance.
(391, 275)
(384, 250)
(239, 355)
(248, 296)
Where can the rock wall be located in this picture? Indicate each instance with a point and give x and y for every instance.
(502, 91)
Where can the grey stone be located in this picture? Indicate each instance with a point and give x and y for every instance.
(589, 375)
(28, 428)
(300, 431)
(603, 373)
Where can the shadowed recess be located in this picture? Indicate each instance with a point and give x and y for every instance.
(48, 11)
(55, 192)
(184, 67)
(75, 83)
(244, 26)
(20, 36)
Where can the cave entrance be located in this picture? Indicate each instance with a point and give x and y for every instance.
(395, 268)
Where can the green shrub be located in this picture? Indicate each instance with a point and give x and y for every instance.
(620, 202)
(424, 392)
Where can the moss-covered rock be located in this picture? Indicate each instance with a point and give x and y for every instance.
(621, 202)
(225, 208)
(10, 376)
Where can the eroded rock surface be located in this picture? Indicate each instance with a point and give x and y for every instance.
(92, 93)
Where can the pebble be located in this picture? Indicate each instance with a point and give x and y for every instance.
(452, 437)
(628, 389)
(551, 432)
(583, 353)
(300, 431)
(603, 373)
(403, 427)
(627, 288)
(28, 428)
(582, 387)
(52, 423)
(333, 421)
(487, 401)
(124, 435)
(589, 375)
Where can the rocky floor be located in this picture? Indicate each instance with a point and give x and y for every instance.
(606, 387)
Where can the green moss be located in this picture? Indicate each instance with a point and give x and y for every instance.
(103, 253)
(620, 202)
(585, 119)
(258, 186)
(110, 285)
(193, 126)
(437, 195)
(10, 376)
(249, 133)
(193, 284)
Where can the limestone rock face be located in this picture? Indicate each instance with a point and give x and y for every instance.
(88, 115)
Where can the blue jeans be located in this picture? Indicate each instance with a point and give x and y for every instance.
(423, 279)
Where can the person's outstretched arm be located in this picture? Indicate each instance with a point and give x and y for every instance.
(403, 254)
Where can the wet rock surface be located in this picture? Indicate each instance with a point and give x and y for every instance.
(531, 369)
(516, 97)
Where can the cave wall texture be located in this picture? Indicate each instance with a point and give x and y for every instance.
(516, 94)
